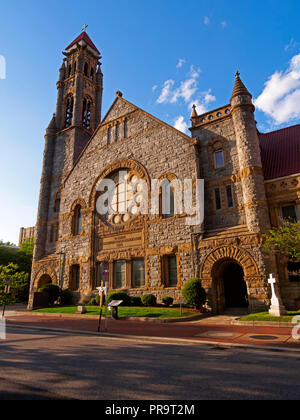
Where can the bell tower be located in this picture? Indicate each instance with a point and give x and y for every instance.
(80, 88)
(78, 112)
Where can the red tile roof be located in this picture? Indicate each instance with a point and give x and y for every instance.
(280, 151)
(84, 36)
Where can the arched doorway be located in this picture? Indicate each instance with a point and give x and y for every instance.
(230, 287)
(235, 288)
(43, 280)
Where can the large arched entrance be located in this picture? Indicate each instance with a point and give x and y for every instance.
(230, 288)
(43, 280)
(235, 288)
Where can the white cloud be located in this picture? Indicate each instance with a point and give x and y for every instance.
(280, 98)
(208, 97)
(185, 91)
(154, 88)
(291, 45)
(224, 24)
(166, 92)
(206, 20)
(181, 62)
(180, 124)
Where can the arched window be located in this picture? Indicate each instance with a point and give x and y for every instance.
(167, 200)
(77, 222)
(69, 111)
(92, 74)
(86, 114)
(108, 135)
(117, 131)
(219, 159)
(75, 67)
(127, 199)
(75, 278)
(125, 128)
(69, 70)
(86, 69)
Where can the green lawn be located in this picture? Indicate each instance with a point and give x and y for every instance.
(123, 311)
(264, 316)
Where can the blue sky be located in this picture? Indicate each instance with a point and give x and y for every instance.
(163, 55)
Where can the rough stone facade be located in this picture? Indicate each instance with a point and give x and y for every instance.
(77, 158)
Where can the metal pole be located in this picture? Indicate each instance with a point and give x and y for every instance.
(3, 313)
(106, 307)
(99, 323)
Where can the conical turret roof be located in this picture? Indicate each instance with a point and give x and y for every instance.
(239, 87)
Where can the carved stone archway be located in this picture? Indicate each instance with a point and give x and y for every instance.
(45, 274)
(211, 273)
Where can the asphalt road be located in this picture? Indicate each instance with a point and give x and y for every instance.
(38, 365)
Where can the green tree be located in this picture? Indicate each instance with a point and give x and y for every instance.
(284, 241)
(27, 247)
(19, 282)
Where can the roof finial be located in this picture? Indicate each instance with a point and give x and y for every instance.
(237, 74)
(194, 113)
(85, 26)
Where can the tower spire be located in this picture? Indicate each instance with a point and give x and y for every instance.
(239, 87)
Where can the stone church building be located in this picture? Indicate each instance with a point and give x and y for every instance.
(252, 182)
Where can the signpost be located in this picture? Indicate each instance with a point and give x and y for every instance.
(103, 291)
(6, 291)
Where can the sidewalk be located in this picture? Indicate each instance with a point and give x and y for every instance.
(204, 331)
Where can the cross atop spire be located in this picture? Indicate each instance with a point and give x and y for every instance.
(84, 28)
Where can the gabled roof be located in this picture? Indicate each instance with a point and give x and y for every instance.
(84, 37)
(280, 152)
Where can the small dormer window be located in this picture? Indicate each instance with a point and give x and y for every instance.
(219, 159)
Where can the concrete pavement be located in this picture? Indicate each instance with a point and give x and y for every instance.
(40, 365)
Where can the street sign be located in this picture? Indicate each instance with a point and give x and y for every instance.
(115, 303)
(102, 290)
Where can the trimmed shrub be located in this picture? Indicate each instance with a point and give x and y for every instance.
(66, 297)
(119, 296)
(149, 300)
(95, 301)
(193, 294)
(136, 301)
(168, 301)
(53, 292)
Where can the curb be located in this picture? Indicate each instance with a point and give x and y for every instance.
(96, 317)
(263, 324)
(160, 340)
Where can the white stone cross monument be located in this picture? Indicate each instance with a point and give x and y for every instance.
(277, 308)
